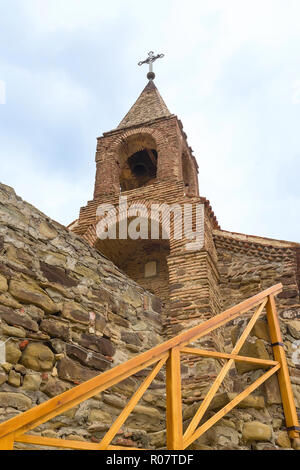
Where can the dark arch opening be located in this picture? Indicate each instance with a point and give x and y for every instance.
(141, 169)
(143, 163)
(137, 159)
(134, 256)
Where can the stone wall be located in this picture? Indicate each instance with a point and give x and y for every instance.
(248, 265)
(67, 314)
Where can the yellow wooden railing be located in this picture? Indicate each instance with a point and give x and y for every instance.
(169, 353)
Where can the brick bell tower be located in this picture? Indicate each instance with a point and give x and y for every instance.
(148, 160)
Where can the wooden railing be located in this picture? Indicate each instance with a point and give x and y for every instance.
(169, 354)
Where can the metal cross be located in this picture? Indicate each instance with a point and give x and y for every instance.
(151, 58)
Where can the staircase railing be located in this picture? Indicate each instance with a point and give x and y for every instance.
(169, 354)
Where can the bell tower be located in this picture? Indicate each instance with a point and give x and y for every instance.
(148, 146)
(148, 161)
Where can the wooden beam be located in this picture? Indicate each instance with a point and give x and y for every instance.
(174, 402)
(221, 355)
(124, 448)
(285, 386)
(130, 406)
(220, 377)
(76, 395)
(67, 400)
(66, 444)
(217, 416)
(7, 442)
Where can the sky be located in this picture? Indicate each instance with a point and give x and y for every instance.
(231, 73)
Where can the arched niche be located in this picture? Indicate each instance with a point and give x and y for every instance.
(144, 260)
(137, 158)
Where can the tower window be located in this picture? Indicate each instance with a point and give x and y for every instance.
(138, 159)
(139, 169)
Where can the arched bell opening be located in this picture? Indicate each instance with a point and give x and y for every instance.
(138, 162)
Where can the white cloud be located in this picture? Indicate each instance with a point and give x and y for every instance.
(50, 16)
(49, 91)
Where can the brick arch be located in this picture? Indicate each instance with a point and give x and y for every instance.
(176, 245)
(162, 146)
(160, 140)
(121, 215)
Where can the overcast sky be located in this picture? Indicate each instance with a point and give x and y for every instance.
(231, 73)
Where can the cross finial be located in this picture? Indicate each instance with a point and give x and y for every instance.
(150, 59)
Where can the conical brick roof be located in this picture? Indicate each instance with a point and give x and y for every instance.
(148, 106)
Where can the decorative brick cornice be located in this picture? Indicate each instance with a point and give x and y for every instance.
(265, 248)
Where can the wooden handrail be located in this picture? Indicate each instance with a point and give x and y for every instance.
(57, 405)
(169, 352)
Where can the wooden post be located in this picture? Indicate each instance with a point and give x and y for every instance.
(286, 391)
(174, 403)
(7, 442)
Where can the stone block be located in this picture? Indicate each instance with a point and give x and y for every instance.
(296, 444)
(3, 377)
(294, 329)
(261, 330)
(13, 332)
(223, 436)
(99, 417)
(131, 338)
(74, 312)
(132, 297)
(53, 387)
(73, 372)
(12, 352)
(256, 431)
(97, 344)
(283, 440)
(30, 293)
(47, 231)
(55, 329)
(271, 386)
(32, 382)
(19, 368)
(20, 319)
(3, 284)
(93, 360)
(222, 399)
(14, 378)
(252, 348)
(38, 357)
(15, 400)
(36, 313)
(57, 275)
